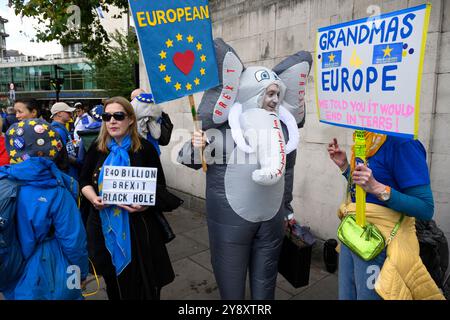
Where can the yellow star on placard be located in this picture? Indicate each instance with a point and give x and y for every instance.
(169, 43)
(11, 132)
(387, 51)
(12, 153)
(331, 57)
(179, 37)
(188, 86)
(54, 142)
(167, 79)
(51, 133)
(21, 124)
(162, 67)
(177, 86)
(197, 81)
(45, 126)
(203, 58)
(199, 46)
(202, 71)
(32, 122)
(163, 54)
(190, 39)
(52, 153)
(116, 212)
(11, 142)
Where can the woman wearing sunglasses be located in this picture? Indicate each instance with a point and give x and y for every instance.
(125, 242)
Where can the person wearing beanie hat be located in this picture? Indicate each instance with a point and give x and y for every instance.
(47, 219)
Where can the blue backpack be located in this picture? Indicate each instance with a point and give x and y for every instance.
(12, 261)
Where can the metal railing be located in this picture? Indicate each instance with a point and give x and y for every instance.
(48, 57)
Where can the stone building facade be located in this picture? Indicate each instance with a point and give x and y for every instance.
(263, 32)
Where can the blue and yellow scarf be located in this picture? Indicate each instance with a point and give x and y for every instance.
(115, 222)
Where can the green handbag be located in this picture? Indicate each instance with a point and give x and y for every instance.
(367, 242)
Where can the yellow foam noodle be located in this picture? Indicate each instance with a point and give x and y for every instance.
(360, 156)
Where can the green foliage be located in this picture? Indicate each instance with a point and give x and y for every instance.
(54, 18)
(116, 74)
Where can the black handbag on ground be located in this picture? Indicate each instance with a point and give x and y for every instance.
(295, 260)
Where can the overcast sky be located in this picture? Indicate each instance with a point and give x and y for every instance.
(22, 40)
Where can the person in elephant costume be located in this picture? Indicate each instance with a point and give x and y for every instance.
(245, 123)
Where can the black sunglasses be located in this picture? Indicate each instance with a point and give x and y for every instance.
(119, 116)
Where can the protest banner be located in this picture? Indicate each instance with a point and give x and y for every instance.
(129, 185)
(176, 42)
(368, 72)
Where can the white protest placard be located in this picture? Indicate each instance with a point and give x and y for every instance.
(129, 185)
(368, 72)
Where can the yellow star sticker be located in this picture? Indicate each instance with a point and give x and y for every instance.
(12, 153)
(167, 79)
(177, 86)
(190, 39)
(163, 54)
(331, 57)
(203, 58)
(11, 132)
(51, 133)
(202, 71)
(45, 126)
(54, 142)
(11, 142)
(116, 212)
(179, 37)
(387, 51)
(197, 81)
(162, 67)
(52, 153)
(169, 43)
(199, 46)
(32, 123)
(188, 86)
(21, 124)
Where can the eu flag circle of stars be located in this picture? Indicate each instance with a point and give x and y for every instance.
(169, 50)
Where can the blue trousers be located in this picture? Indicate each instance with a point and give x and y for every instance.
(357, 277)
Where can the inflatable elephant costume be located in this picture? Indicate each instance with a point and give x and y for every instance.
(247, 158)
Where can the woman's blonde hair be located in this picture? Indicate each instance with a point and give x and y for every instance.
(104, 138)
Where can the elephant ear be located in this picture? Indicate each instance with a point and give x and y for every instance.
(294, 71)
(216, 102)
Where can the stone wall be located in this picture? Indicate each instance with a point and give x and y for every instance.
(263, 32)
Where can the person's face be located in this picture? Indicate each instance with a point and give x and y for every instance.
(23, 113)
(117, 129)
(79, 112)
(64, 116)
(271, 98)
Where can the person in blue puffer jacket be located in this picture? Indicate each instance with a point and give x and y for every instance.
(48, 222)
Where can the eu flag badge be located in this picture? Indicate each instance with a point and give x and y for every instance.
(176, 42)
(387, 53)
(331, 59)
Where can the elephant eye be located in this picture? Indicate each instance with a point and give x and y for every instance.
(262, 75)
(276, 76)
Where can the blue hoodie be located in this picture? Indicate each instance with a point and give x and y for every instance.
(50, 231)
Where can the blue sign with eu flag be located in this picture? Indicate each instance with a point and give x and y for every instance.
(332, 59)
(387, 53)
(176, 42)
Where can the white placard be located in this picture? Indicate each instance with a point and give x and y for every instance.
(129, 185)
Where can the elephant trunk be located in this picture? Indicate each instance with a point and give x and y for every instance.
(262, 130)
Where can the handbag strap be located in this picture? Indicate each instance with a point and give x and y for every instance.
(395, 230)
